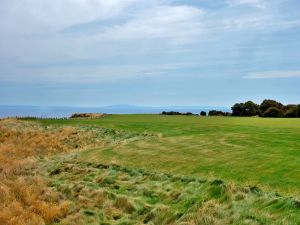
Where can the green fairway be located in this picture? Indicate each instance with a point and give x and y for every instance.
(255, 151)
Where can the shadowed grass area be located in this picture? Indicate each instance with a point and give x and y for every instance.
(259, 151)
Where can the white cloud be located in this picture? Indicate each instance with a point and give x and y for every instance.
(178, 23)
(274, 74)
(143, 27)
(245, 22)
(32, 34)
(252, 3)
(36, 17)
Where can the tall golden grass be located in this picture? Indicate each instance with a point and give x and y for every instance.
(25, 199)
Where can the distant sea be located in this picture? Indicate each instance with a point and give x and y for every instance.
(62, 112)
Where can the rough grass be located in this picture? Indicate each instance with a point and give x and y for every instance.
(28, 200)
(110, 194)
(25, 198)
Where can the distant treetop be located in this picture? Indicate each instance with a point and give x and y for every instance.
(268, 108)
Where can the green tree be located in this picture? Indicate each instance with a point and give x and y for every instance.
(290, 111)
(273, 112)
(268, 103)
(248, 108)
(202, 113)
(237, 109)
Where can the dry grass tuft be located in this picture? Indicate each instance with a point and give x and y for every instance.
(21, 142)
(125, 204)
(29, 201)
(207, 214)
(24, 198)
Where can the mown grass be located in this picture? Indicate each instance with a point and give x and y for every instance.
(257, 151)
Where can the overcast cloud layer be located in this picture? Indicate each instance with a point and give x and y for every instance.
(159, 52)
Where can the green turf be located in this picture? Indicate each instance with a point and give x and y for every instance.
(256, 151)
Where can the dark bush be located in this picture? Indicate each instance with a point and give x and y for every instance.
(273, 112)
(177, 113)
(290, 111)
(202, 113)
(268, 108)
(218, 113)
(266, 104)
(298, 111)
(237, 109)
(87, 115)
(248, 108)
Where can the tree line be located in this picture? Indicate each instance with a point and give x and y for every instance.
(268, 108)
(177, 113)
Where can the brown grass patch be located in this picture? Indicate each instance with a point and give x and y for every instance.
(125, 204)
(25, 198)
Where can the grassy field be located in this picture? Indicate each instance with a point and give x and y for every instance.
(150, 169)
(255, 151)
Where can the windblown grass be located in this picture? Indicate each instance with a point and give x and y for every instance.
(110, 194)
(28, 200)
(25, 198)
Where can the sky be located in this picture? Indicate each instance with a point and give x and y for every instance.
(149, 52)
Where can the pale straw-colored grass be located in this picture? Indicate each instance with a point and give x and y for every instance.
(26, 199)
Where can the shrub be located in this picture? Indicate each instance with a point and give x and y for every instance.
(237, 109)
(218, 113)
(177, 113)
(248, 108)
(273, 112)
(202, 113)
(266, 104)
(291, 112)
(87, 115)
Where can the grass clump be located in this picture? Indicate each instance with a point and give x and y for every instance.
(144, 197)
(25, 198)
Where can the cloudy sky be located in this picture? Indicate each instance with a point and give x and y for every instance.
(149, 52)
